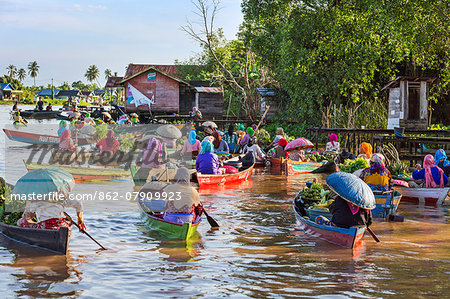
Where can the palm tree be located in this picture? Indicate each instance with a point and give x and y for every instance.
(33, 70)
(12, 70)
(21, 74)
(108, 74)
(92, 73)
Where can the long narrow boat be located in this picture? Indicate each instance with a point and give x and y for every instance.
(43, 114)
(385, 206)
(142, 175)
(346, 237)
(49, 239)
(169, 229)
(205, 180)
(428, 196)
(85, 173)
(33, 138)
(291, 167)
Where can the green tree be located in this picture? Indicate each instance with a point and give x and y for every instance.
(21, 74)
(79, 85)
(12, 70)
(108, 74)
(33, 70)
(92, 74)
(64, 86)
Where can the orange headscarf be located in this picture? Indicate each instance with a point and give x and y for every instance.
(367, 149)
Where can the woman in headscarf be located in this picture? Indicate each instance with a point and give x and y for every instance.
(219, 144)
(62, 127)
(244, 141)
(433, 175)
(186, 207)
(254, 148)
(440, 160)
(66, 143)
(231, 138)
(124, 120)
(333, 145)
(279, 150)
(365, 151)
(377, 176)
(298, 154)
(192, 146)
(109, 143)
(153, 156)
(279, 135)
(207, 162)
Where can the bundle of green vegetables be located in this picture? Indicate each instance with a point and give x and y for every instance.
(351, 166)
(316, 191)
(329, 157)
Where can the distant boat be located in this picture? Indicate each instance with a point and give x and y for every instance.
(39, 114)
(33, 138)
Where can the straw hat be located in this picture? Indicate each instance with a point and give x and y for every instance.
(169, 131)
(74, 115)
(106, 114)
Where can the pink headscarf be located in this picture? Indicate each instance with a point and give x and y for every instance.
(333, 139)
(428, 163)
(110, 138)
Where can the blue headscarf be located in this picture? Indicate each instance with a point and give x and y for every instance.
(440, 154)
(207, 147)
(192, 137)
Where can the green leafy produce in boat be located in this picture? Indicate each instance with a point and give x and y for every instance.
(316, 191)
(351, 166)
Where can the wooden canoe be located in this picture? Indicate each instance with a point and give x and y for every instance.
(384, 206)
(54, 240)
(290, 167)
(85, 173)
(43, 114)
(33, 138)
(205, 180)
(142, 175)
(345, 237)
(428, 196)
(169, 229)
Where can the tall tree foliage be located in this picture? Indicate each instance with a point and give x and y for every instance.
(329, 54)
(33, 70)
(92, 74)
(12, 71)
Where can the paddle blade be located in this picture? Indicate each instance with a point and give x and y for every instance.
(373, 235)
(211, 221)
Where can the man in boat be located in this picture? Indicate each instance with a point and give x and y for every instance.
(207, 162)
(50, 214)
(49, 107)
(15, 107)
(377, 176)
(432, 175)
(440, 160)
(231, 138)
(40, 104)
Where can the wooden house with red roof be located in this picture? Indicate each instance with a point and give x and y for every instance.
(160, 89)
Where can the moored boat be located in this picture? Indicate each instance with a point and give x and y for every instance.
(346, 237)
(42, 114)
(169, 229)
(222, 179)
(33, 138)
(291, 167)
(142, 175)
(49, 239)
(428, 196)
(85, 173)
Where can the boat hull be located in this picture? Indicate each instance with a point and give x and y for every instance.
(54, 240)
(170, 229)
(294, 167)
(39, 114)
(33, 138)
(345, 237)
(428, 196)
(205, 180)
(85, 173)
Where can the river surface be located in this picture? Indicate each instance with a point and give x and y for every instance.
(257, 252)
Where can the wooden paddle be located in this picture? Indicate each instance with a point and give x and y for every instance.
(211, 221)
(372, 234)
(261, 120)
(82, 230)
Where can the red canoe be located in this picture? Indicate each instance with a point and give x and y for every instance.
(33, 138)
(222, 179)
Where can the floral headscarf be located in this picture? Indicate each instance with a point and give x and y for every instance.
(207, 147)
(440, 154)
(377, 165)
(428, 163)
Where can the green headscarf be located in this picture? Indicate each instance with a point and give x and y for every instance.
(250, 131)
(62, 124)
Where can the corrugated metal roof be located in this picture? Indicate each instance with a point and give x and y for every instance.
(136, 68)
(209, 89)
(99, 92)
(69, 93)
(266, 92)
(5, 86)
(47, 92)
(112, 82)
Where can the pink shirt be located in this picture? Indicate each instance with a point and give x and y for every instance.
(189, 148)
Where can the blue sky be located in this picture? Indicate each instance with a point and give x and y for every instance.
(66, 36)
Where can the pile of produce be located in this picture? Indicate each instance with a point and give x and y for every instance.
(8, 217)
(323, 204)
(329, 157)
(393, 162)
(351, 166)
(316, 191)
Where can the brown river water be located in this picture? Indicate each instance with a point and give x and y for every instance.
(257, 252)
